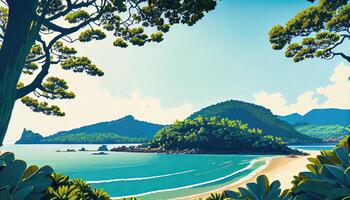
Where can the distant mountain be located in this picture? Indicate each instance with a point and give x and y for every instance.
(126, 129)
(330, 116)
(256, 117)
(126, 126)
(292, 118)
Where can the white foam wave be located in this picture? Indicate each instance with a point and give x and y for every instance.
(251, 164)
(214, 170)
(139, 178)
(242, 180)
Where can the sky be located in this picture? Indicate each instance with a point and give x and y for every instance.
(224, 56)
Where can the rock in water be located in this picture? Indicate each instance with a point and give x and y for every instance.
(82, 149)
(102, 148)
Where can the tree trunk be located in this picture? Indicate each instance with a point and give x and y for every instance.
(21, 31)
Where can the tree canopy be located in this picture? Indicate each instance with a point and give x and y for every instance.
(38, 34)
(63, 22)
(217, 135)
(316, 32)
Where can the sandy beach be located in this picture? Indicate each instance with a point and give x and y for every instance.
(278, 168)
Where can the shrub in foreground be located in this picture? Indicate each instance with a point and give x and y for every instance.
(19, 182)
(64, 188)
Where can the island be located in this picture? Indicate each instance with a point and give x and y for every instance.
(212, 135)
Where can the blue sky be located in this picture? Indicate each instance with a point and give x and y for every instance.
(224, 56)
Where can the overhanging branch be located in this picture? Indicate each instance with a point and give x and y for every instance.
(36, 83)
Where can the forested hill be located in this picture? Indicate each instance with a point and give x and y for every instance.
(124, 130)
(126, 126)
(215, 135)
(256, 117)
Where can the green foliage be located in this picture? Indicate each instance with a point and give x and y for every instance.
(90, 138)
(56, 88)
(91, 34)
(325, 158)
(261, 190)
(256, 116)
(61, 22)
(81, 64)
(42, 107)
(344, 143)
(314, 32)
(157, 37)
(64, 51)
(328, 176)
(29, 68)
(77, 16)
(19, 182)
(205, 133)
(62, 188)
(119, 42)
(216, 196)
(324, 132)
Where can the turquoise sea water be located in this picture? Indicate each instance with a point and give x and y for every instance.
(149, 175)
(314, 147)
(152, 176)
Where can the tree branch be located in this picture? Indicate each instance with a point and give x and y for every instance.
(340, 42)
(70, 6)
(36, 83)
(347, 58)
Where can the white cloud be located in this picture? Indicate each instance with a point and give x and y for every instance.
(337, 95)
(92, 104)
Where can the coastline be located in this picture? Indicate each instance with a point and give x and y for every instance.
(274, 167)
(277, 168)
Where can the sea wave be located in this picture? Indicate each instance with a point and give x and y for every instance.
(224, 163)
(139, 178)
(239, 181)
(214, 170)
(251, 164)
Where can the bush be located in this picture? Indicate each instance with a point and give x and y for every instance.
(261, 190)
(64, 188)
(19, 182)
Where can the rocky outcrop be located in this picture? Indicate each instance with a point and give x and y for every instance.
(29, 137)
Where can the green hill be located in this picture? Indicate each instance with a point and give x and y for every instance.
(123, 130)
(257, 117)
(214, 135)
(126, 126)
(29, 137)
(328, 133)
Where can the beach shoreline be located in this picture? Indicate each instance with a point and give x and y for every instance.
(280, 168)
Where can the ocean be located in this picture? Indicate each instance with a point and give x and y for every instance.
(148, 175)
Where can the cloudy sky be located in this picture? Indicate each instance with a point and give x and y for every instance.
(225, 56)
